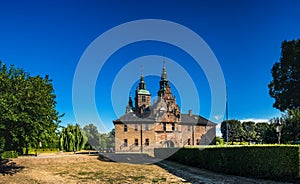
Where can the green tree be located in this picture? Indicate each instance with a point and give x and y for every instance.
(2, 139)
(111, 139)
(285, 86)
(271, 135)
(261, 128)
(291, 126)
(72, 138)
(249, 133)
(27, 109)
(235, 131)
(93, 136)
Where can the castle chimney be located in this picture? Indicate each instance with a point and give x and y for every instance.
(190, 113)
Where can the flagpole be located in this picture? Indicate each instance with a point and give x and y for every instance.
(226, 116)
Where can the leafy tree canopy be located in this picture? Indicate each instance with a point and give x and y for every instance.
(291, 126)
(285, 86)
(27, 109)
(72, 138)
(235, 130)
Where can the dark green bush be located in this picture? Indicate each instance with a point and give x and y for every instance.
(254, 161)
(9, 154)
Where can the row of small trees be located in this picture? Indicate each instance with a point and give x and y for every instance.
(248, 132)
(264, 132)
(73, 138)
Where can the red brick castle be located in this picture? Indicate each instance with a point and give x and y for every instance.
(144, 126)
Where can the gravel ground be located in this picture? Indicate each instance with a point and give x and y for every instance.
(196, 175)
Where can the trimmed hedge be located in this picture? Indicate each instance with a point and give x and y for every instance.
(45, 150)
(9, 154)
(254, 161)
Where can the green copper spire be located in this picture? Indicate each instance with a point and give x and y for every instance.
(142, 87)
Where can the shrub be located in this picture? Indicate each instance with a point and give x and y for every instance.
(42, 150)
(219, 141)
(9, 154)
(254, 161)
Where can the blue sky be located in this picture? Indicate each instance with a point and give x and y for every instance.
(50, 37)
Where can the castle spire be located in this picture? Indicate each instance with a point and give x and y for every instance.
(163, 84)
(164, 75)
(129, 107)
(142, 84)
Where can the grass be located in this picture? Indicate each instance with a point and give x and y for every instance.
(155, 180)
(85, 169)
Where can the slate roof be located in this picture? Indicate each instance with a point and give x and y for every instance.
(132, 117)
(195, 120)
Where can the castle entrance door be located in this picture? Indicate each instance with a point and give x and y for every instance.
(169, 144)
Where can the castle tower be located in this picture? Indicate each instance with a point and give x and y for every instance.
(165, 94)
(163, 83)
(142, 97)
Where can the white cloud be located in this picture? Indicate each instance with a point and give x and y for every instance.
(218, 117)
(256, 120)
(218, 130)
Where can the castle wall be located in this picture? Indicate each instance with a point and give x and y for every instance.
(134, 132)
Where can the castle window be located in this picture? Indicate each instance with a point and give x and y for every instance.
(143, 98)
(125, 142)
(147, 142)
(198, 142)
(173, 126)
(125, 128)
(136, 127)
(189, 141)
(189, 127)
(136, 142)
(146, 127)
(164, 127)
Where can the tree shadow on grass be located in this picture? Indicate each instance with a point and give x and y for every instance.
(8, 167)
(133, 158)
(104, 158)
